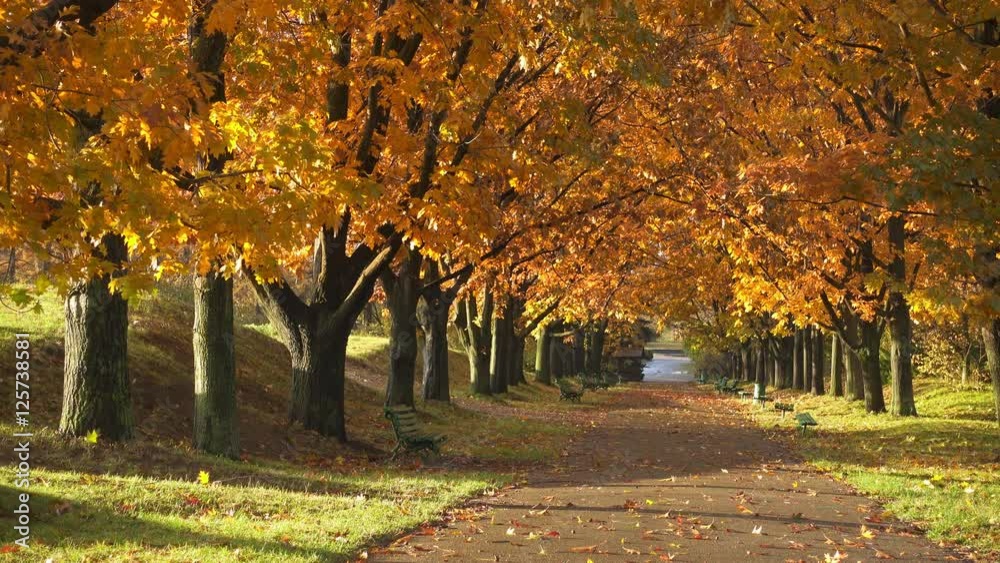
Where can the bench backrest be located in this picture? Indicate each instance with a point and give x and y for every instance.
(404, 420)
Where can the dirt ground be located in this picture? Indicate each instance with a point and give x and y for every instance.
(670, 473)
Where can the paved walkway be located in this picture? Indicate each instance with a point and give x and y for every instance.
(671, 474)
(667, 366)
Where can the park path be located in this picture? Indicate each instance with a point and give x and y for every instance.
(670, 473)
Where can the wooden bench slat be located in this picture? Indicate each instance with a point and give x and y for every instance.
(805, 420)
(410, 434)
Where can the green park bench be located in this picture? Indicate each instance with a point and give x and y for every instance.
(744, 395)
(410, 435)
(568, 393)
(721, 384)
(784, 408)
(805, 420)
(732, 388)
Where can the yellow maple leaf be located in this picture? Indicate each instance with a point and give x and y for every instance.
(203, 477)
(92, 436)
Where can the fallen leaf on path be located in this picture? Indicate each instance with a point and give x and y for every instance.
(796, 545)
(584, 549)
(759, 530)
(867, 533)
(882, 555)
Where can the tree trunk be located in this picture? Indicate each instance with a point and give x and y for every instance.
(479, 370)
(595, 352)
(10, 275)
(216, 421)
(476, 331)
(966, 367)
(770, 359)
(871, 370)
(559, 357)
(991, 341)
(852, 362)
(432, 313)
(798, 374)
(96, 389)
(784, 362)
(402, 295)
(518, 360)
(807, 361)
(318, 382)
(746, 363)
(543, 344)
(900, 328)
(818, 362)
(515, 363)
(579, 353)
(836, 366)
(216, 424)
(500, 353)
(760, 363)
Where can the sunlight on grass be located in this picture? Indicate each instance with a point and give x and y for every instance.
(296, 496)
(169, 520)
(47, 321)
(939, 470)
(362, 347)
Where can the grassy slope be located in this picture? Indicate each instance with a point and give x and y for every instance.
(295, 495)
(940, 470)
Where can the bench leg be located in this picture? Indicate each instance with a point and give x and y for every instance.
(395, 451)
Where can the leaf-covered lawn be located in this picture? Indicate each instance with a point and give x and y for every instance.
(253, 515)
(940, 470)
(296, 496)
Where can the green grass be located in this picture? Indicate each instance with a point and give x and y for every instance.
(44, 320)
(940, 470)
(321, 517)
(295, 495)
